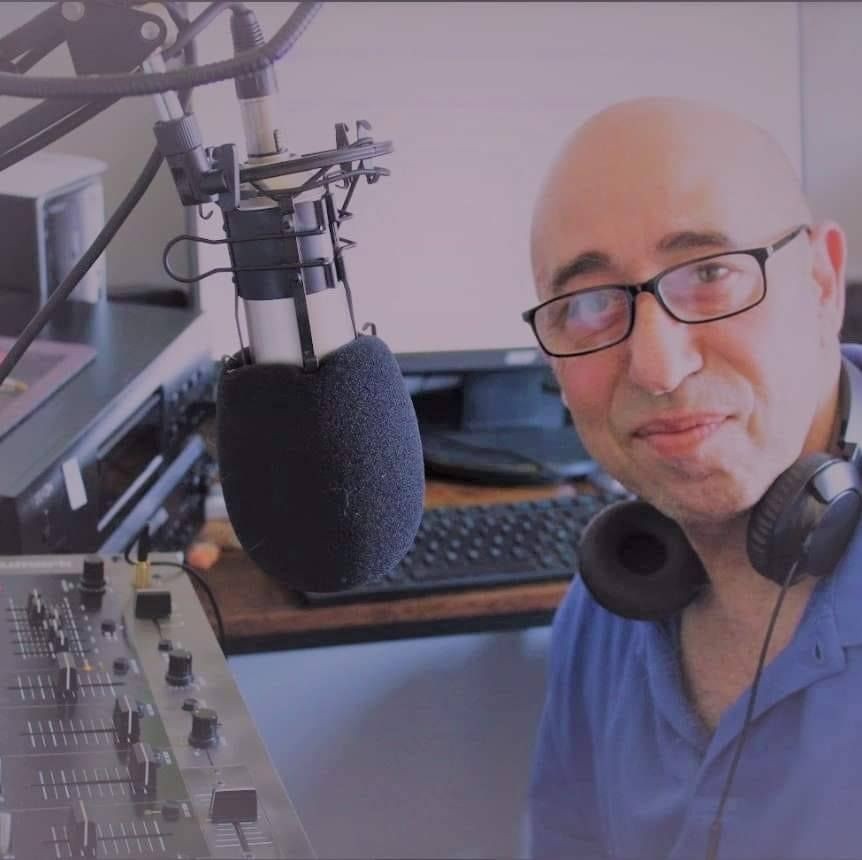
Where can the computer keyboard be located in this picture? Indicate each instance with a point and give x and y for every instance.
(485, 545)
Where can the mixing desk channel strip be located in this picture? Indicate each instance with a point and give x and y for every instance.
(122, 733)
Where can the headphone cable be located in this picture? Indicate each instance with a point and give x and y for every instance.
(715, 827)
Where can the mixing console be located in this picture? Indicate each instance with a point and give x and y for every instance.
(122, 733)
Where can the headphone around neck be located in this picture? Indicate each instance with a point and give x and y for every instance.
(638, 563)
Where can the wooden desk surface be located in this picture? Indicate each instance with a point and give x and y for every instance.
(259, 613)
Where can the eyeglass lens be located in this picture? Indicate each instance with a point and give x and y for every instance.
(696, 292)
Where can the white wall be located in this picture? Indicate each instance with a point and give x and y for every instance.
(476, 98)
(832, 108)
(123, 137)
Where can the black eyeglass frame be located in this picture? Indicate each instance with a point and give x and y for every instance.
(651, 286)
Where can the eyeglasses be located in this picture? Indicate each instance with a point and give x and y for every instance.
(699, 291)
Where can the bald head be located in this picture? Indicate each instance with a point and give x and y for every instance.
(652, 164)
(650, 186)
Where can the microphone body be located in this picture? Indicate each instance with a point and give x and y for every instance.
(318, 444)
(295, 303)
(319, 451)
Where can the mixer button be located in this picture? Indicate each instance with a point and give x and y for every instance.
(233, 804)
(82, 831)
(170, 810)
(5, 835)
(127, 720)
(142, 767)
(66, 680)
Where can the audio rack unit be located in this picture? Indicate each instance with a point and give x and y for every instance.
(122, 733)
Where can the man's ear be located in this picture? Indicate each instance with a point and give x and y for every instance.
(829, 265)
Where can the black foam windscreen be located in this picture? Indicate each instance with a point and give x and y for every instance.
(321, 471)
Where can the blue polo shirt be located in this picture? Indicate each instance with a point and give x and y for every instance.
(625, 769)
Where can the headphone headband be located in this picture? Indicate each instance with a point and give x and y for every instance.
(850, 397)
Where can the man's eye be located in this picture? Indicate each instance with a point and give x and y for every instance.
(710, 272)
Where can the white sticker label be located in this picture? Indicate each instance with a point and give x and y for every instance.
(74, 484)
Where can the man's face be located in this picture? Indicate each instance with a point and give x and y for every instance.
(744, 396)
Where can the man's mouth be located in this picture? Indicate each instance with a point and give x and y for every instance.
(680, 434)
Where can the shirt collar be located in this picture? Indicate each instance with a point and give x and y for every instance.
(845, 593)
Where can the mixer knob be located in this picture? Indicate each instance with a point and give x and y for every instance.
(82, 831)
(142, 767)
(127, 720)
(92, 583)
(179, 672)
(55, 617)
(204, 728)
(66, 682)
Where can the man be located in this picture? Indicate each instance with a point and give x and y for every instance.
(642, 718)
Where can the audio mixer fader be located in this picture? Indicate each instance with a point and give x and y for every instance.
(122, 733)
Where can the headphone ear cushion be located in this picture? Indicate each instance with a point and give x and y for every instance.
(638, 563)
(789, 513)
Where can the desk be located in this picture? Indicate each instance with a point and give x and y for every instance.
(261, 614)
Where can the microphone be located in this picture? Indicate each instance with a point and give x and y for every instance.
(318, 445)
(321, 471)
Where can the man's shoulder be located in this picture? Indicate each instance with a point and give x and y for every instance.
(587, 636)
(579, 612)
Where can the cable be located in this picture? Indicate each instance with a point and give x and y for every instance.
(193, 29)
(196, 576)
(715, 827)
(106, 234)
(205, 586)
(95, 86)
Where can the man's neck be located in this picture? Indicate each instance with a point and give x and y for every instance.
(722, 632)
(737, 592)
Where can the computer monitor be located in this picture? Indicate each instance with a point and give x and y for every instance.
(493, 416)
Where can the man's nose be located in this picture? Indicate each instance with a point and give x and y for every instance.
(662, 351)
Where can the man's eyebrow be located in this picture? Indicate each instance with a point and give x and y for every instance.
(596, 262)
(587, 263)
(694, 240)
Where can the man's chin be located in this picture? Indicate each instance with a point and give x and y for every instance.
(710, 497)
